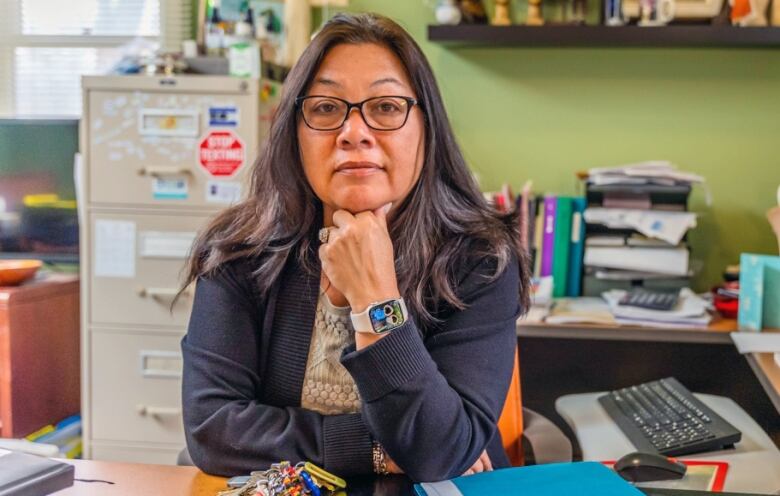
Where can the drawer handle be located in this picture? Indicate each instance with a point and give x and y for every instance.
(161, 292)
(158, 411)
(157, 171)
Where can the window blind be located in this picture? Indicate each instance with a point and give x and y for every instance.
(91, 17)
(47, 45)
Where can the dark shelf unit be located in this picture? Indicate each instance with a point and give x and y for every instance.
(604, 36)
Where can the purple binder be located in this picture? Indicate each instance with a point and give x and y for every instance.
(548, 235)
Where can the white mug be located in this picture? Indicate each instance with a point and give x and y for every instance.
(656, 12)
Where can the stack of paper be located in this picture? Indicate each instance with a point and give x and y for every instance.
(637, 218)
(586, 310)
(658, 224)
(649, 172)
(690, 311)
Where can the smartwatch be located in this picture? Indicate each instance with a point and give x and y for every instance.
(380, 317)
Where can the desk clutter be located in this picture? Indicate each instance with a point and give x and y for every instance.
(637, 221)
(284, 479)
(628, 230)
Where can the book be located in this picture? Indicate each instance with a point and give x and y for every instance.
(552, 479)
(576, 251)
(22, 474)
(562, 242)
(759, 288)
(538, 234)
(548, 235)
(525, 216)
(670, 261)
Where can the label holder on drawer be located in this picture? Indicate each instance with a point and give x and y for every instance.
(161, 364)
(168, 122)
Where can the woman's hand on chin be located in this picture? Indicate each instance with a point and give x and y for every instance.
(358, 257)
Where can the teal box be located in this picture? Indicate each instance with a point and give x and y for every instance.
(759, 292)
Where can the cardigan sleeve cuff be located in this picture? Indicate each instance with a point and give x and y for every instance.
(384, 366)
(348, 445)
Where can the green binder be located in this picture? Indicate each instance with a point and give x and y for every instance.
(560, 271)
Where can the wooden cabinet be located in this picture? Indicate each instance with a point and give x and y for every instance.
(39, 354)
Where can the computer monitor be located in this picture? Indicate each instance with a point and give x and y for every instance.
(38, 217)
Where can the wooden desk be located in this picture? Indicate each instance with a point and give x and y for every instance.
(768, 373)
(135, 479)
(132, 479)
(39, 353)
(717, 332)
(558, 359)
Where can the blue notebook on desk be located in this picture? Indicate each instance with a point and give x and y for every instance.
(554, 479)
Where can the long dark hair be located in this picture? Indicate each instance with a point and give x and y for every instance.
(443, 222)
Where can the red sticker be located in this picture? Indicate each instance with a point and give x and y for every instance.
(221, 153)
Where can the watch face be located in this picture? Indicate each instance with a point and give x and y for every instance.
(386, 316)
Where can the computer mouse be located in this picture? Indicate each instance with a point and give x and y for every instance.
(646, 467)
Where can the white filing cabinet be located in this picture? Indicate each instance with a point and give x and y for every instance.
(161, 155)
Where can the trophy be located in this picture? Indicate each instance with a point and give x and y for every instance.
(534, 13)
(501, 14)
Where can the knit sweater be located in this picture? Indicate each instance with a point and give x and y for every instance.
(327, 386)
(430, 396)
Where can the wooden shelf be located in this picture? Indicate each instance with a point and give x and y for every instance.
(604, 36)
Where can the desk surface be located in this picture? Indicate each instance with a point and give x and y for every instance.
(768, 373)
(717, 332)
(754, 463)
(134, 479)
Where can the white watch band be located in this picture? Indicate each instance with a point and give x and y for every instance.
(362, 321)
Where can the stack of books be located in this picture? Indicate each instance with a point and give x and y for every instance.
(552, 231)
(636, 225)
(65, 435)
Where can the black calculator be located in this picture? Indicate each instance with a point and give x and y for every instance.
(654, 300)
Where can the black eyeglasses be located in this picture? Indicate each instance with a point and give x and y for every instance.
(381, 113)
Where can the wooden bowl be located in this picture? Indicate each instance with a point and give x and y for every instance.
(13, 272)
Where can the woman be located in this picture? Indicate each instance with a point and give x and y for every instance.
(300, 346)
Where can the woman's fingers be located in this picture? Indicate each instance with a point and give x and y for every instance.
(486, 461)
(483, 464)
(342, 218)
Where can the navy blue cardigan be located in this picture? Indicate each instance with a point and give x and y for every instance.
(432, 401)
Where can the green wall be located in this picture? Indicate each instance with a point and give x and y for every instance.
(543, 114)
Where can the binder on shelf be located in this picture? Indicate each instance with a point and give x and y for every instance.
(574, 284)
(548, 235)
(562, 242)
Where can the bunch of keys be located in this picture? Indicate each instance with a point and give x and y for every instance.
(282, 479)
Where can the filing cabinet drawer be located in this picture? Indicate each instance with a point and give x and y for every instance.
(111, 452)
(165, 148)
(137, 263)
(136, 387)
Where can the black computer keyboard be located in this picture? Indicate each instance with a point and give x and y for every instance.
(663, 416)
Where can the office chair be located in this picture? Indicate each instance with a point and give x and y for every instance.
(546, 441)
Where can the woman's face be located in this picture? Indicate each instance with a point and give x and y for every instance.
(356, 168)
